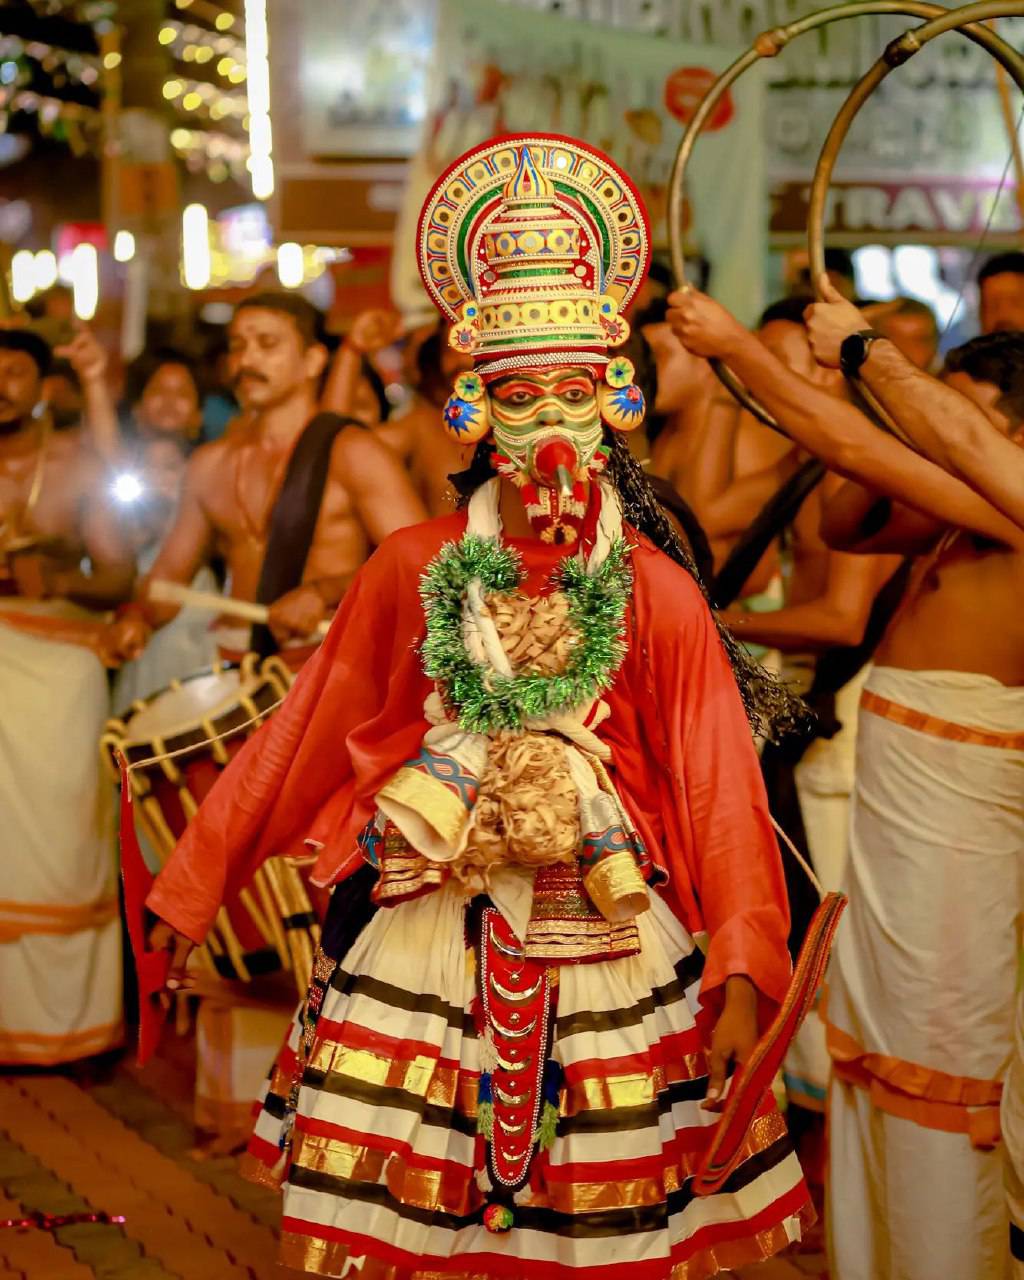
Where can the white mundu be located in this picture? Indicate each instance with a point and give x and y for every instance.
(922, 987)
(60, 933)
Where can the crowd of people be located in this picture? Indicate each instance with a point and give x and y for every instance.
(878, 571)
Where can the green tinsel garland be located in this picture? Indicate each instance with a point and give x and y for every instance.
(486, 701)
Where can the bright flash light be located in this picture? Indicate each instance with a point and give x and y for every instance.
(85, 280)
(124, 246)
(127, 488)
(45, 267)
(291, 268)
(23, 275)
(195, 246)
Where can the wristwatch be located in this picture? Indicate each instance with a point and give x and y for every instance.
(854, 350)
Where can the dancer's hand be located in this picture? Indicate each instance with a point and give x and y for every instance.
(704, 326)
(734, 1037)
(162, 937)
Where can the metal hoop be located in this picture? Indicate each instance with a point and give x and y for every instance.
(897, 52)
(768, 45)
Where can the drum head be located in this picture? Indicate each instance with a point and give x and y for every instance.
(184, 705)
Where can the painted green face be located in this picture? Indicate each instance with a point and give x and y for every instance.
(533, 406)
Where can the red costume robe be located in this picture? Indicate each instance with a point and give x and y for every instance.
(684, 764)
(682, 757)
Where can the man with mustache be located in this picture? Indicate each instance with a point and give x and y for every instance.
(292, 501)
(60, 938)
(231, 495)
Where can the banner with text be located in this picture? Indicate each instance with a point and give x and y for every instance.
(512, 70)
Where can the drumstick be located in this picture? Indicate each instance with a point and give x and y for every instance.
(161, 591)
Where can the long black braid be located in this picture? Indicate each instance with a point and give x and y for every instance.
(772, 710)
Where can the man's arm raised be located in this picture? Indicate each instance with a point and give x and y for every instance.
(834, 431)
(942, 423)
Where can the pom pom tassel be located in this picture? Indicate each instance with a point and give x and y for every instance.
(498, 1218)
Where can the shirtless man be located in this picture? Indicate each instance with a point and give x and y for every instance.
(827, 599)
(276, 362)
(700, 410)
(921, 1001)
(943, 424)
(828, 595)
(428, 456)
(955, 433)
(54, 510)
(60, 962)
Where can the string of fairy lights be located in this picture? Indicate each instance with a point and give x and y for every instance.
(222, 103)
(218, 86)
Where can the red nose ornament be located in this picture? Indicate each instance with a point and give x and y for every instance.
(555, 500)
(555, 465)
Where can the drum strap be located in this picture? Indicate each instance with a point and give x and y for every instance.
(293, 520)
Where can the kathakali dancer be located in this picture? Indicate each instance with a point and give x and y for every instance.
(523, 754)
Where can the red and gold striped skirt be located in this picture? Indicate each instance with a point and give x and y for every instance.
(383, 1176)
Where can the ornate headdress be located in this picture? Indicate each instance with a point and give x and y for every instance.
(533, 247)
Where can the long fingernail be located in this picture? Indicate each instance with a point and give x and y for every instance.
(173, 984)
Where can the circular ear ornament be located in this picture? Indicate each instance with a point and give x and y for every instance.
(616, 329)
(464, 335)
(619, 372)
(619, 398)
(466, 416)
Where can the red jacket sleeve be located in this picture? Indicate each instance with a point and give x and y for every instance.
(334, 738)
(718, 832)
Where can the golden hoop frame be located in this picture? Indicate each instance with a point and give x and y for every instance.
(768, 45)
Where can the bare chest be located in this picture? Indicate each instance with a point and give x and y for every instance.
(241, 500)
(962, 612)
(807, 555)
(40, 496)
